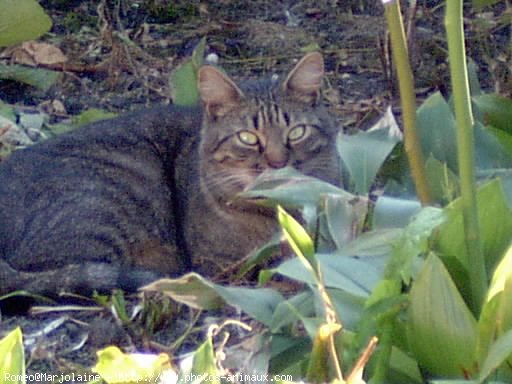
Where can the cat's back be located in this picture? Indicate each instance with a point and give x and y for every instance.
(97, 194)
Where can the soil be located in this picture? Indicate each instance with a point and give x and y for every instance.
(120, 56)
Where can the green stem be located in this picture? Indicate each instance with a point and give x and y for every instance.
(407, 99)
(465, 142)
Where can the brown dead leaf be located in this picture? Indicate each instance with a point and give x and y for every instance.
(33, 53)
(44, 53)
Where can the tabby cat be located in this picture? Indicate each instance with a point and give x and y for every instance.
(122, 202)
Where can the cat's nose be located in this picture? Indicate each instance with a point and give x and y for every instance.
(276, 161)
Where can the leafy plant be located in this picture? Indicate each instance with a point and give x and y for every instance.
(12, 358)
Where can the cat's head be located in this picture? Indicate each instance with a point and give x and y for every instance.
(265, 125)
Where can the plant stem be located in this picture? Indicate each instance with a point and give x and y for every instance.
(407, 99)
(465, 142)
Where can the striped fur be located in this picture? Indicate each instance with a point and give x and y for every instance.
(121, 202)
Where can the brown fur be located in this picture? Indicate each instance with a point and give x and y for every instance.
(149, 194)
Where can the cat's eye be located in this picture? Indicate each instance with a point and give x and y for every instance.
(247, 138)
(297, 133)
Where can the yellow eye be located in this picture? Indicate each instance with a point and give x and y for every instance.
(247, 138)
(297, 133)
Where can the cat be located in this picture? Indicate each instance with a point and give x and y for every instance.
(122, 202)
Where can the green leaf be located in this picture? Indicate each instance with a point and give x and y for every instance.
(204, 367)
(295, 308)
(197, 292)
(288, 354)
(364, 153)
(495, 110)
(372, 243)
(40, 78)
(495, 220)
(22, 20)
(490, 149)
(440, 327)
(499, 351)
(261, 255)
(443, 183)
(355, 276)
(403, 368)
(345, 218)
(190, 289)
(258, 303)
(184, 78)
(297, 237)
(12, 358)
(348, 307)
(290, 188)
(437, 130)
(413, 242)
(496, 316)
(114, 366)
(393, 212)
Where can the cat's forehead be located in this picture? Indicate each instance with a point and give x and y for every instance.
(265, 89)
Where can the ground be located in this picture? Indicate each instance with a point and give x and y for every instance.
(121, 54)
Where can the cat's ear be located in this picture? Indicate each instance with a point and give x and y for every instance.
(218, 92)
(305, 79)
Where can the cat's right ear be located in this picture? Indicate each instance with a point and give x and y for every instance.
(218, 92)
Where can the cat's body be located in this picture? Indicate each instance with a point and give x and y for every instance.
(124, 201)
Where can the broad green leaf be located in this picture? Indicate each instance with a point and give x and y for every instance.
(364, 153)
(440, 327)
(197, 292)
(490, 152)
(496, 110)
(295, 308)
(403, 368)
(437, 130)
(345, 218)
(289, 354)
(351, 275)
(114, 366)
(184, 78)
(40, 78)
(501, 276)
(499, 351)
(348, 307)
(393, 212)
(496, 316)
(261, 255)
(375, 243)
(190, 289)
(443, 183)
(258, 303)
(12, 358)
(413, 242)
(203, 367)
(297, 237)
(290, 188)
(22, 20)
(503, 137)
(495, 219)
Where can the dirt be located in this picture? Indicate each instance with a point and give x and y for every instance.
(121, 54)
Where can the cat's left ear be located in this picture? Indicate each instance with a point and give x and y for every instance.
(218, 92)
(305, 79)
